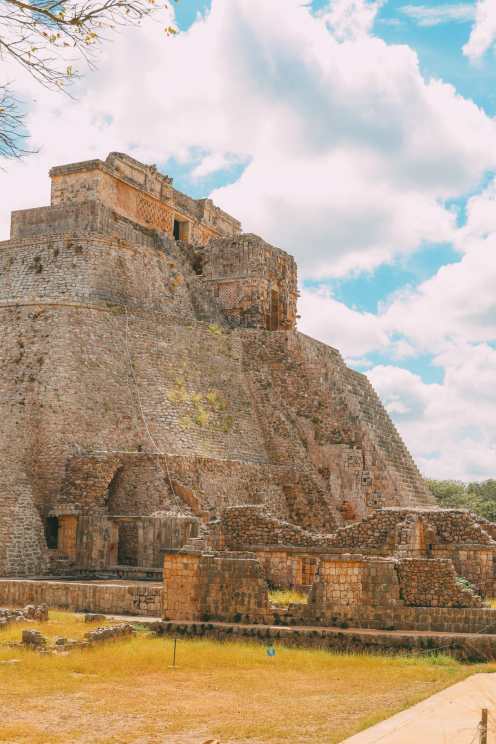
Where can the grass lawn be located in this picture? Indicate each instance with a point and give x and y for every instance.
(287, 596)
(125, 692)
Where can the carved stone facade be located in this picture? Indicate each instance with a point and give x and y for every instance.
(253, 282)
(141, 194)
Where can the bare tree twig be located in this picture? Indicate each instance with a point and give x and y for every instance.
(12, 132)
(47, 37)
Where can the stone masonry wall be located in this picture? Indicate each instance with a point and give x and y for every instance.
(433, 583)
(79, 596)
(440, 619)
(22, 545)
(94, 270)
(350, 590)
(288, 569)
(451, 526)
(76, 220)
(445, 534)
(255, 283)
(252, 525)
(352, 581)
(213, 587)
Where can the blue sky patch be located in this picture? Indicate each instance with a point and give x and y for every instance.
(365, 292)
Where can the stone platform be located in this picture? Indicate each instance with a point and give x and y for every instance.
(107, 596)
(468, 647)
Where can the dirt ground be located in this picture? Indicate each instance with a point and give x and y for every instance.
(126, 692)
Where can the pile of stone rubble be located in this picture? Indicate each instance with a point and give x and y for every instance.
(35, 640)
(38, 613)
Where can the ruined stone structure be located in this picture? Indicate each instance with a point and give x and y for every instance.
(290, 554)
(403, 568)
(170, 437)
(152, 376)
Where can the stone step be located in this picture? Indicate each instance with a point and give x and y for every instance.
(196, 543)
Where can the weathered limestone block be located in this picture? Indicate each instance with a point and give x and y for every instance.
(109, 633)
(33, 638)
(213, 586)
(352, 581)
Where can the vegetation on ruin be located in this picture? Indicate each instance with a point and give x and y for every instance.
(126, 691)
(215, 329)
(478, 497)
(207, 408)
(285, 597)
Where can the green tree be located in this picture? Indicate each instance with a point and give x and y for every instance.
(478, 497)
(448, 493)
(483, 497)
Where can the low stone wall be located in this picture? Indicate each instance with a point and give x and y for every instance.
(450, 526)
(352, 581)
(252, 524)
(442, 619)
(223, 586)
(433, 583)
(123, 599)
(471, 648)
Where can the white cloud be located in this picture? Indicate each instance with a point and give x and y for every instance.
(357, 153)
(350, 19)
(351, 152)
(434, 15)
(447, 441)
(483, 34)
(214, 162)
(351, 157)
(458, 303)
(451, 320)
(325, 318)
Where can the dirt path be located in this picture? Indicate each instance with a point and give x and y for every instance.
(449, 717)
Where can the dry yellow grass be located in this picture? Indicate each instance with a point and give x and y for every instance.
(66, 624)
(126, 692)
(287, 596)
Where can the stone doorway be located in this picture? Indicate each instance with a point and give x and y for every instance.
(180, 230)
(128, 543)
(52, 533)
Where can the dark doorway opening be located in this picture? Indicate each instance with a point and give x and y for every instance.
(112, 488)
(127, 549)
(52, 532)
(177, 230)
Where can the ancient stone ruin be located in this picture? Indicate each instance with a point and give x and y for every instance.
(162, 415)
(152, 376)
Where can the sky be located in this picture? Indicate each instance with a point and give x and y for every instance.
(359, 136)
